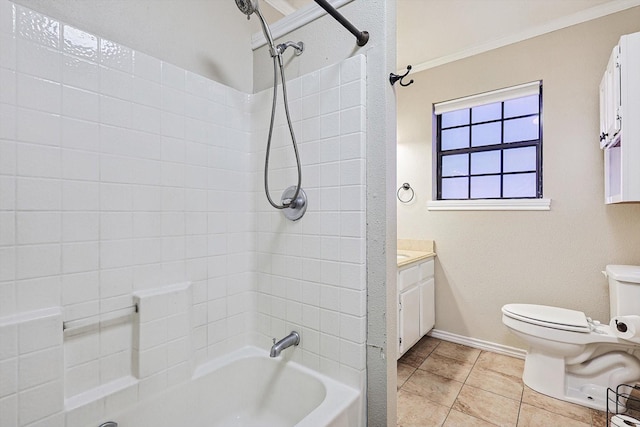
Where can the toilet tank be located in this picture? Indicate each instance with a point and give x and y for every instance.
(624, 289)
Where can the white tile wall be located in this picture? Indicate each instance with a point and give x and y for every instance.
(119, 174)
(312, 272)
(31, 367)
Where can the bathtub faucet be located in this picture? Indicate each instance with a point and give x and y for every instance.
(292, 339)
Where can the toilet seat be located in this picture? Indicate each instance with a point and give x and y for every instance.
(549, 317)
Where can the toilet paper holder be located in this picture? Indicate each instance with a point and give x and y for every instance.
(621, 326)
(625, 397)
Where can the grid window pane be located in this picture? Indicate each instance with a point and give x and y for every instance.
(455, 118)
(455, 165)
(519, 185)
(455, 188)
(485, 187)
(455, 138)
(486, 134)
(485, 162)
(519, 159)
(485, 113)
(491, 150)
(521, 106)
(524, 129)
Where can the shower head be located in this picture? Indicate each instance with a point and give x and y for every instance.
(247, 6)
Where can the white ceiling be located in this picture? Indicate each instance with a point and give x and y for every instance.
(431, 32)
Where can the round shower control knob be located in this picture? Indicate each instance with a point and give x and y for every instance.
(295, 208)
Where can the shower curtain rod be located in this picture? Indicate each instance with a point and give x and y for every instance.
(361, 36)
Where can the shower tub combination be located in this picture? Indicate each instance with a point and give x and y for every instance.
(247, 388)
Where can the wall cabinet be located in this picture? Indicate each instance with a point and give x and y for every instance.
(416, 303)
(619, 124)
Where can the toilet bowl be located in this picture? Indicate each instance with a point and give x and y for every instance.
(572, 357)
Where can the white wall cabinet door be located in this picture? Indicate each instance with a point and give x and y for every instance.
(610, 100)
(619, 124)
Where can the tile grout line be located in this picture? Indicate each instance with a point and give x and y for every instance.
(463, 384)
(520, 405)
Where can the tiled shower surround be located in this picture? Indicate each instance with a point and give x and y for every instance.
(125, 179)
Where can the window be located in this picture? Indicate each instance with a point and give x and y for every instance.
(489, 146)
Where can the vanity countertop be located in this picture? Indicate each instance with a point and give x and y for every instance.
(406, 257)
(410, 251)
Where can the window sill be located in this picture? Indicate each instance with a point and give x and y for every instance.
(490, 205)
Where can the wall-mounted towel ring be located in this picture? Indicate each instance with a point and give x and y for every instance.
(393, 78)
(406, 187)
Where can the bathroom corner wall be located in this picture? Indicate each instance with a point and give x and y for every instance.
(490, 258)
(312, 272)
(119, 173)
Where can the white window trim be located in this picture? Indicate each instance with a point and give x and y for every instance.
(490, 205)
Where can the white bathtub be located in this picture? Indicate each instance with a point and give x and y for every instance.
(247, 388)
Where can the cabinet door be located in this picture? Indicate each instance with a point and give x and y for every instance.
(604, 105)
(610, 100)
(409, 318)
(427, 306)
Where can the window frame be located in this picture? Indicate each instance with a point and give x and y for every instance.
(535, 202)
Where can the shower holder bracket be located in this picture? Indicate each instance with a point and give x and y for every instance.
(296, 208)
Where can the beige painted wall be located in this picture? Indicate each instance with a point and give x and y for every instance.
(487, 259)
(209, 37)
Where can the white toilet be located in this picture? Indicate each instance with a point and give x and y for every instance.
(572, 357)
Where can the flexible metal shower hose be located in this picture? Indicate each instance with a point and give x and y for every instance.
(277, 63)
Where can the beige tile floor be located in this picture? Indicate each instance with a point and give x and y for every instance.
(445, 384)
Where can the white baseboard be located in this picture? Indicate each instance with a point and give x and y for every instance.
(480, 344)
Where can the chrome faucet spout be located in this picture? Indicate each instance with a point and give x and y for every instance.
(292, 339)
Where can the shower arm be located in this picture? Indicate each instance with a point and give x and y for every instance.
(362, 37)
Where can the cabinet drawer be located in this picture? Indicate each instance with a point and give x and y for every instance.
(408, 277)
(426, 269)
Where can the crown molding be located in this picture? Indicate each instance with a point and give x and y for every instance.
(554, 25)
(282, 6)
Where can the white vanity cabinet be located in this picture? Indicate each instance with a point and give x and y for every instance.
(416, 303)
(619, 124)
